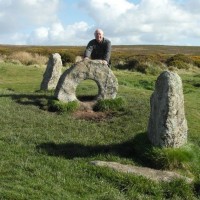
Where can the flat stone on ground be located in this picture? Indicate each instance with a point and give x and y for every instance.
(152, 174)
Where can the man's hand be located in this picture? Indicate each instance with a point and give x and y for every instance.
(104, 62)
(86, 58)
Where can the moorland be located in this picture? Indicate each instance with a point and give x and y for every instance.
(47, 153)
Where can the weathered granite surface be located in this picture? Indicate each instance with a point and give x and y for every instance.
(52, 73)
(88, 69)
(167, 123)
(152, 174)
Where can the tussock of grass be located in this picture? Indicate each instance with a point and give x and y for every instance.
(180, 61)
(117, 104)
(58, 106)
(178, 189)
(146, 67)
(170, 158)
(28, 58)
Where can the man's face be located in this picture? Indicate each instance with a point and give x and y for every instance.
(99, 36)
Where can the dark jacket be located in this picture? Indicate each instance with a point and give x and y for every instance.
(98, 51)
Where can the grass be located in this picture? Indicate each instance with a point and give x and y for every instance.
(87, 88)
(46, 155)
(58, 106)
(116, 104)
(20, 78)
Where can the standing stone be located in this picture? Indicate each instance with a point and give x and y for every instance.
(52, 73)
(167, 123)
(88, 69)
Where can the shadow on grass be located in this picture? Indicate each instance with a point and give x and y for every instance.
(42, 99)
(30, 99)
(134, 149)
(85, 98)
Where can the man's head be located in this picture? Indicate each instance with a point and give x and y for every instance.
(98, 35)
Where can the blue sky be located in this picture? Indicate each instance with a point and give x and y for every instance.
(124, 22)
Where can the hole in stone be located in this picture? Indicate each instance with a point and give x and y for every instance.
(87, 90)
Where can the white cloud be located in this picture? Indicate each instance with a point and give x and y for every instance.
(123, 21)
(149, 22)
(106, 10)
(39, 36)
(192, 6)
(19, 14)
(56, 34)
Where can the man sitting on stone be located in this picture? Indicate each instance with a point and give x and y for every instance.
(98, 48)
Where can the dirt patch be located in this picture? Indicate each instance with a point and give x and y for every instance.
(91, 115)
(87, 105)
(86, 112)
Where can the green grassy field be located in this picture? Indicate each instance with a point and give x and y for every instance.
(46, 155)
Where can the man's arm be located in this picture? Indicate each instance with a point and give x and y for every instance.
(108, 51)
(88, 50)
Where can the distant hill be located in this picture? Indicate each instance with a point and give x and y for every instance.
(131, 49)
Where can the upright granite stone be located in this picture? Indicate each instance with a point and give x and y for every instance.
(52, 73)
(88, 69)
(167, 123)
